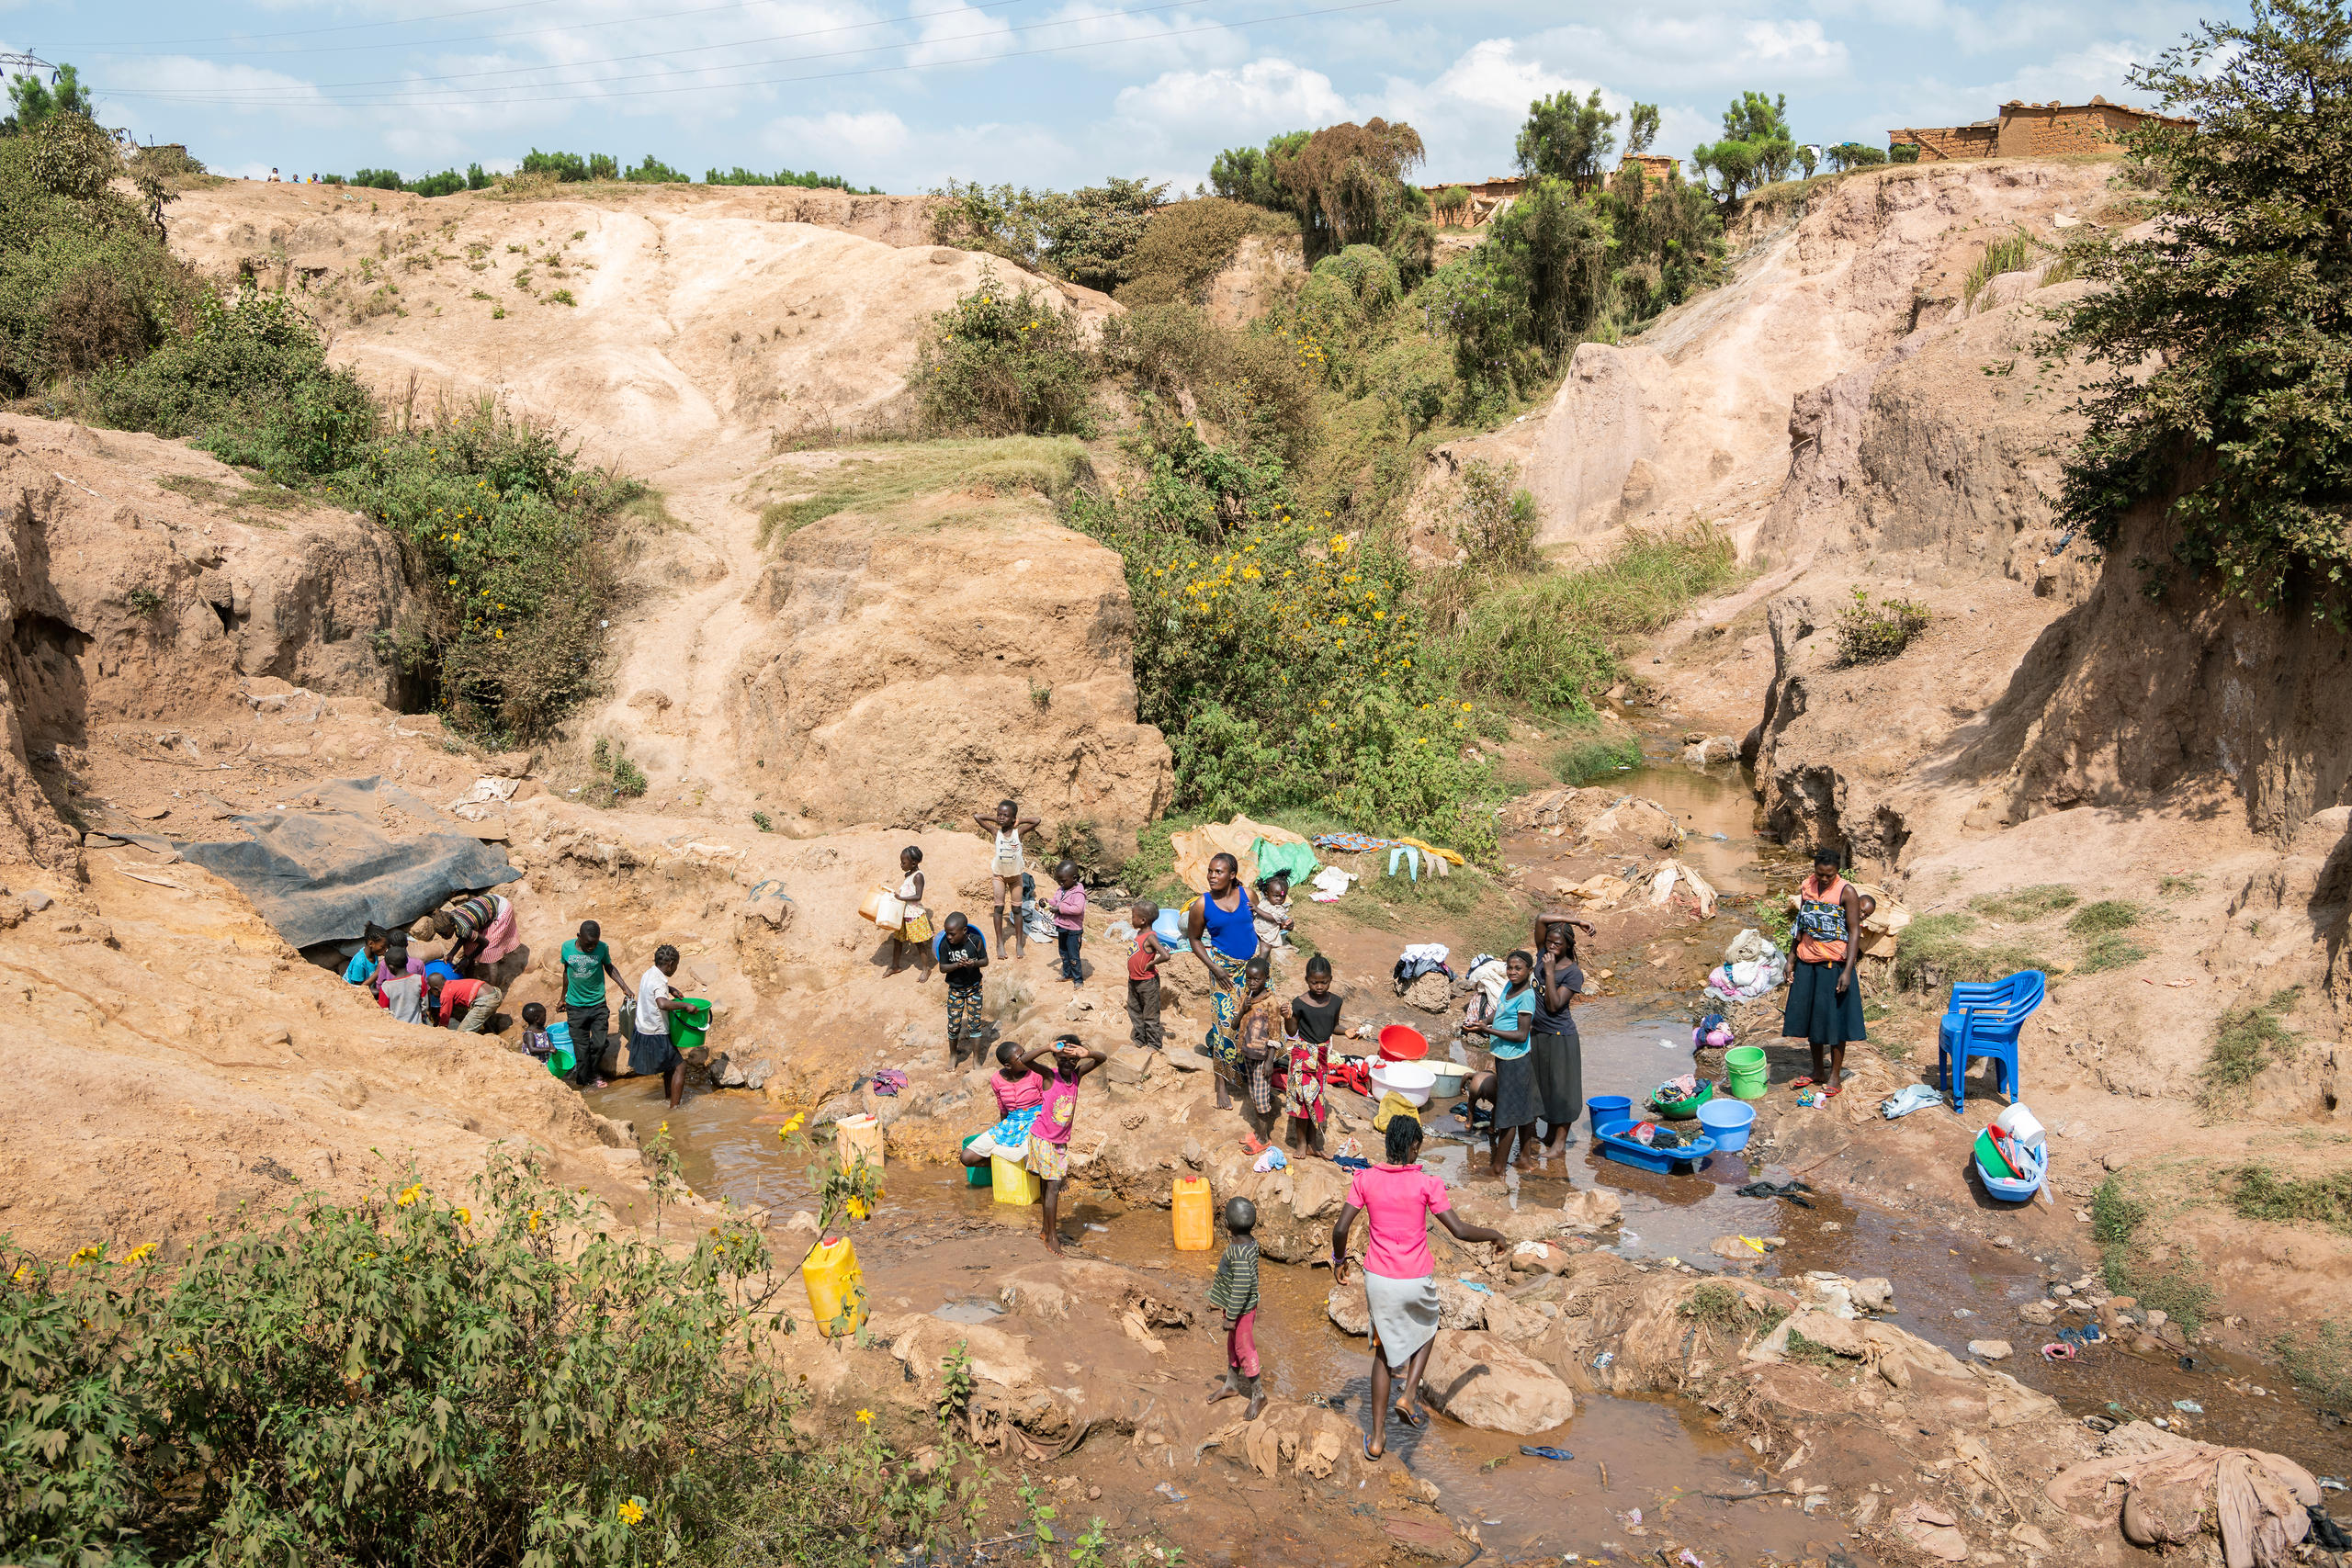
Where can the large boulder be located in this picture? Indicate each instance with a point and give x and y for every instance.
(1481, 1381)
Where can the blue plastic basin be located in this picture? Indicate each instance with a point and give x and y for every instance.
(1727, 1122)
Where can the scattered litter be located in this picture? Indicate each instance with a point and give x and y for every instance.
(2330, 1484)
(1691, 1560)
(2059, 1352)
(2188, 1406)
(1632, 1516)
(1603, 1361)
(1476, 1286)
(1788, 1189)
(1169, 1492)
(1272, 1159)
(1545, 1450)
(1905, 1100)
(1091, 1226)
(1627, 1238)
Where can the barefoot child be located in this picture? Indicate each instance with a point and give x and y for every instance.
(962, 954)
(1006, 867)
(1514, 1090)
(1143, 976)
(652, 1052)
(1065, 1062)
(1018, 1093)
(1235, 1290)
(1312, 1018)
(586, 961)
(1069, 904)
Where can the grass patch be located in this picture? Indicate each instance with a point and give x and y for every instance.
(2246, 1040)
(1586, 761)
(2180, 886)
(2176, 1287)
(1811, 1352)
(2018, 905)
(241, 500)
(618, 778)
(2007, 254)
(2261, 1193)
(1934, 952)
(1550, 637)
(895, 475)
(2114, 951)
(1867, 633)
(2321, 1366)
(2106, 916)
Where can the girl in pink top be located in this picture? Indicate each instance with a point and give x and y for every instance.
(1061, 1065)
(1018, 1093)
(1396, 1200)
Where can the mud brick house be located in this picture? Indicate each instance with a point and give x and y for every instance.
(2031, 130)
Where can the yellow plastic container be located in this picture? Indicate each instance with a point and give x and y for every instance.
(1015, 1182)
(1195, 1219)
(836, 1288)
(858, 1136)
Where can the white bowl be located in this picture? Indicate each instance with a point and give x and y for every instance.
(1410, 1080)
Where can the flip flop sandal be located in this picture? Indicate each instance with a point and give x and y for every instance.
(1800, 1083)
(1833, 1091)
(2058, 1352)
(1545, 1452)
(1408, 1418)
(1369, 1457)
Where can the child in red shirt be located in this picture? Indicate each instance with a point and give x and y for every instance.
(1143, 976)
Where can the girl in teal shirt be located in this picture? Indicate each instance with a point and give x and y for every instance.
(1514, 1068)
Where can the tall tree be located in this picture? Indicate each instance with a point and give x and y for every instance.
(1346, 184)
(1757, 148)
(1247, 174)
(2225, 333)
(1566, 139)
(1640, 129)
(35, 100)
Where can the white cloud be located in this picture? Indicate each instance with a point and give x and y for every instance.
(867, 140)
(1795, 46)
(1262, 98)
(960, 34)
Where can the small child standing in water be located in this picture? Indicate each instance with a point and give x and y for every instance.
(1234, 1291)
(1062, 1064)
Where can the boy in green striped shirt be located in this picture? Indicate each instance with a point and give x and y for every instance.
(1235, 1290)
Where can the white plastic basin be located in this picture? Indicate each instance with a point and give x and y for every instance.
(1410, 1080)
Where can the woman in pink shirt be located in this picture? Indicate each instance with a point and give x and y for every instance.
(1396, 1201)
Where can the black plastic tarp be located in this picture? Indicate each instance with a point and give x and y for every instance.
(322, 876)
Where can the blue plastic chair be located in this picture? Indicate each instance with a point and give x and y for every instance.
(1986, 1020)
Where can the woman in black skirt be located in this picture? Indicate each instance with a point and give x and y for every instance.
(1508, 1031)
(1825, 1003)
(1557, 1053)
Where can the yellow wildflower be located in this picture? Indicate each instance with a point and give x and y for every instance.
(89, 1253)
(865, 1418)
(409, 1194)
(858, 1208)
(465, 1216)
(536, 1216)
(632, 1511)
(142, 1253)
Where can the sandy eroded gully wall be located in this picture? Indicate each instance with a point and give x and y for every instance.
(919, 669)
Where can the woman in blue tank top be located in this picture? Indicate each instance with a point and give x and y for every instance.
(1224, 937)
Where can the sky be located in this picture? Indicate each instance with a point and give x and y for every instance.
(907, 93)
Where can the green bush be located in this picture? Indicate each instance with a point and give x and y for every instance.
(1903, 153)
(1251, 386)
(2107, 915)
(2021, 904)
(619, 778)
(411, 1380)
(570, 167)
(1590, 761)
(1089, 236)
(1185, 244)
(2261, 1193)
(2246, 1040)
(1933, 952)
(1494, 521)
(811, 180)
(1003, 362)
(1867, 633)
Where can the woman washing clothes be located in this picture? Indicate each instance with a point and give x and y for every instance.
(1223, 936)
(1825, 1001)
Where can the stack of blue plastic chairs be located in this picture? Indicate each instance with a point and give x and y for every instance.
(1984, 1019)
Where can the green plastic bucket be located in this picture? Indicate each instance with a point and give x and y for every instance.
(690, 1024)
(1744, 1071)
(977, 1175)
(561, 1062)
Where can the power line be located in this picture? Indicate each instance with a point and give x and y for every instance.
(673, 54)
(278, 96)
(256, 46)
(338, 27)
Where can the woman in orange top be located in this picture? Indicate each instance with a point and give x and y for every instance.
(1825, 1003)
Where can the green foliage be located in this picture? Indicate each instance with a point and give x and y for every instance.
(1494, 521)
(1903, 153)
(2107, 915)
(2176, 1287)
(142, 601)
(2261, 1193)
(1285, 666)
(1248, 174)
(2181, 886)
(1590, 761)
(2222, 331)
(2246, 1040)
(2018, 904)
(1003, 362)
(2320, 1365)
(1854, 155)
(1188, 243)
(1934, 952)
(654, 172)
(1257, 388)
(1757, 148)
(2008, 254)
(1347, 183)
(1867, 633)
(570, 167)
(1641, 128)
(85, 280)
(1566, 140)
(2112, 951)
(621, 778)
(1088, 236)
(411, 1380)
(35, 101)
(810, 180)
(1549, 639)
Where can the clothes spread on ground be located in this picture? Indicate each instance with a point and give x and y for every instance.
(1421, 958)
(1789, 1189)
(1909, 1098)
(1329, 883)
(1297, 859)
(1744, 979)
(1365, 843)
(889, 1081)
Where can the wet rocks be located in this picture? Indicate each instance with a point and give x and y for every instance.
(1481, 1381)
(2038, 1313)
(1991, 1349)
(728, 1070)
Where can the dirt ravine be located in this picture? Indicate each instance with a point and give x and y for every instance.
(185, 649)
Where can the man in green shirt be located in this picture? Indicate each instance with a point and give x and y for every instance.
(586, 962)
